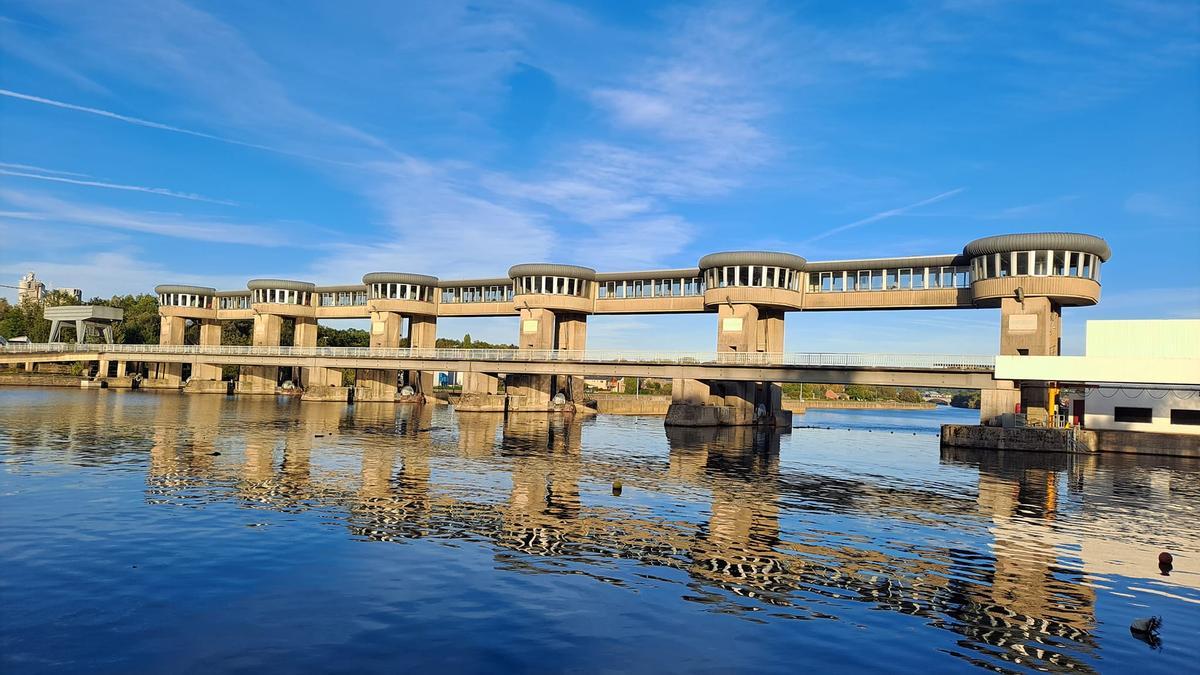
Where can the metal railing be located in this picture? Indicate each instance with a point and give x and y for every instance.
(954, 362)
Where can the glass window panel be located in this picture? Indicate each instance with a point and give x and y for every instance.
(864, 280)
(839, 281)
(962, 277)
(892, 279)
(1022, 263)
(877, 280)
(906, 277)
(1041, 262)
(1087, 265)
(1002, 264)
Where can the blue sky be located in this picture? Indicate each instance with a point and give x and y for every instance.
(153, 141)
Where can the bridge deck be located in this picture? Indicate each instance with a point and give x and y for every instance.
(965, 371)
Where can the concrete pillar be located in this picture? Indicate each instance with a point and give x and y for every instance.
(422, 334)
(31, 366)
(102, 369)
(380, 385)
(571, 335)
(121, 368)
(171, 330)
(741, 329)
(210, 336)
(55, 329)
(262, 379)
(1032, 327)
(996, 402)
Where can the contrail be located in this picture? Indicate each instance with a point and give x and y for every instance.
(156, 125)
(882, 215)
(117, 186)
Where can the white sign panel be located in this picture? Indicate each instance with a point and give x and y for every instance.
(529, 326)
(731, 325)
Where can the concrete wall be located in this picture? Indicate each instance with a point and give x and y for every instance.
(1030, 439)
(1100, 405)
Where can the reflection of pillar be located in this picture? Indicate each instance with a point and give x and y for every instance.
(171, 330)
(262, 379)
(210, 336)
(380, 385)
(477, 433)
(545, 478)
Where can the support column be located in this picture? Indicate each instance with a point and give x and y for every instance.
(1031, 327)
(171, 333)
(741, 329)
(993, 403)
(571, 336)
(319, 383)
(533, 392)
(422, 334)
(479, 394)
(380, 385)
(121, 368)
(210, 336)
(262, 379)
(31, 366)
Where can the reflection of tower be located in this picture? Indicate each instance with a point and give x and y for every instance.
(1030, 594)
(741, 467)
(477, 433)
(546, 463)
(29, 289)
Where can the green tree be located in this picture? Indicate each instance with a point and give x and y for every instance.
(909, 396)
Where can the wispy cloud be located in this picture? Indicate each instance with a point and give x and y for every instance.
(884, 215)
(42, 207)
(118, 186)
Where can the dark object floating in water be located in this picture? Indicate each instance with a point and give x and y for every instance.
(1165, 558)
(1146, 630)
(214, 453)
(616, 488)
(319, 435)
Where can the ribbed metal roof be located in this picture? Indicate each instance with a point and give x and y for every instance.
(1034, 241)
(772, 258)
(551, 270)
(399, 278)
(343, 288)
(889, 263)
(183, 288)
(280, 284)
(232, 294)
(649, 274)
(464, 283)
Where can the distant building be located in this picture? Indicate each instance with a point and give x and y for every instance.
(30, 289)
(76, 293)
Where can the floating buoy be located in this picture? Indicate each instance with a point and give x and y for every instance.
(1165, 558)
(213, 454)
(616, 488)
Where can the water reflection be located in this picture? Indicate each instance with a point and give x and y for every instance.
(1012, 567)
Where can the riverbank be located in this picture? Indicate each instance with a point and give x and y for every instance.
(626, 404)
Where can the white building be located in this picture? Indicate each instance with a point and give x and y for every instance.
(30, 289)
(1136, 375)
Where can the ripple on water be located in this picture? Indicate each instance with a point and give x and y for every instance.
(150, 532)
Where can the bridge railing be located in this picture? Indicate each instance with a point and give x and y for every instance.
(957, 362)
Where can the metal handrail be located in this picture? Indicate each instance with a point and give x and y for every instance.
(956, 362)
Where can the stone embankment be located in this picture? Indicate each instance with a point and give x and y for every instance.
(1081, 441)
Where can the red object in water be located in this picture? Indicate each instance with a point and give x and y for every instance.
(1017, 409)
(1165, 558)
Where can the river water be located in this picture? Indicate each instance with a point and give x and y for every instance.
(144, 532)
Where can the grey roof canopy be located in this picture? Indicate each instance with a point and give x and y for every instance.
(885, 263)
(551, 270)
(466, 283)
(399, 278)
(279, 284)
(728, 258)
(343, 288)
(649, 274)
(1036, 241)
(182, 288)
